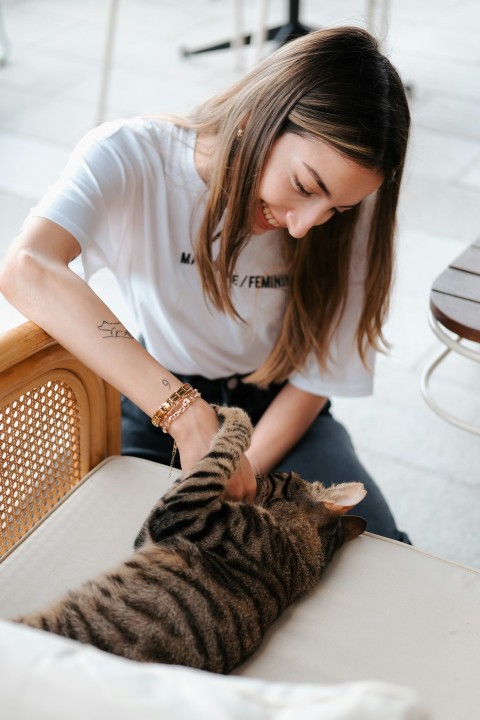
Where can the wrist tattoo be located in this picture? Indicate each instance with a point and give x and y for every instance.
(166, 383)
(114, 330)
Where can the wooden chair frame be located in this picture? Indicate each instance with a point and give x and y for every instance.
(48, 397)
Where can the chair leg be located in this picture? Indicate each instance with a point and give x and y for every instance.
(107, 61)
(238, 41)
(280, 34)
(260, 35)
(452, 346)
(380, 26)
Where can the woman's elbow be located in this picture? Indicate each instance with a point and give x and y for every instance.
(35, 263)
(21, 276)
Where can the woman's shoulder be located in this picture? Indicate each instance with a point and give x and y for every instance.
(136, 147)
(135, 134)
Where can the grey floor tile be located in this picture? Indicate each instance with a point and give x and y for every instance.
(9, 317)
(471, 175)
(455, 115)
(442, 155)
(430, 508)
(12, 100)
(402, 426)
(29, 165)
(13, 209)
(453, 77)
(441, 208)
(32, 24)
(54, 120)
(41, 74)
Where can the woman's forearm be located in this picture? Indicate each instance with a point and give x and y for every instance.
(36, 279)
(281, 426)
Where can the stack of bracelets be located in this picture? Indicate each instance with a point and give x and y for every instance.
(174, 406)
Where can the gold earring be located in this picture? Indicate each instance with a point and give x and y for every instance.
(239, 133)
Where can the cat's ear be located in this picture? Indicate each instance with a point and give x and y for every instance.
(353, 526)
(339, 499)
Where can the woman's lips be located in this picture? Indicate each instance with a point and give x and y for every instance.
(262, 222)
(267, 214)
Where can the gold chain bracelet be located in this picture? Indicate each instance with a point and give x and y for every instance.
(178, 409)
(169, 404)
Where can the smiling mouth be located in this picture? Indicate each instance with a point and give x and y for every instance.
(268, 215)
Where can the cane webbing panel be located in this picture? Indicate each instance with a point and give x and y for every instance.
(39, 457)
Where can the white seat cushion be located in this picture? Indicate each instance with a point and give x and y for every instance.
(383, 611)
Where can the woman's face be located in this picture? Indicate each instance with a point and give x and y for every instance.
(305, 182)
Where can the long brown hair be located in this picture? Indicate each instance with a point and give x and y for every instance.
(336, 86)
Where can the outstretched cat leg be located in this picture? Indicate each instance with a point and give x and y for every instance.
(178, 509)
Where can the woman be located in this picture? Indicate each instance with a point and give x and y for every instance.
(254, 242)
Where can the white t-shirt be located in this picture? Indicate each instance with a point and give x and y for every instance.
(133, 199)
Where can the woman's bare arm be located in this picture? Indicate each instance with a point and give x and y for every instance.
(37, 280)
(281, 426)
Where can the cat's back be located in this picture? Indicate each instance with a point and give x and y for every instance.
(213, 599)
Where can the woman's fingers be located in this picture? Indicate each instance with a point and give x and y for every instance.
(242, 485)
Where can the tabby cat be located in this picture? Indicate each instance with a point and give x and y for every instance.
(209, 576)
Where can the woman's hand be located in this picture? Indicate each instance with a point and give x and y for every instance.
(242, 485)
(193, 432)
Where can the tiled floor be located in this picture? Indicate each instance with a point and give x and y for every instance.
(428, 469)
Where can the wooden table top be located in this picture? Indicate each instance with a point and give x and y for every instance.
(455, 295)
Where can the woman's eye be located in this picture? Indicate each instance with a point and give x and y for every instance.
(301, 189)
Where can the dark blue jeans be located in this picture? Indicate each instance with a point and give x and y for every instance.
(325, 452)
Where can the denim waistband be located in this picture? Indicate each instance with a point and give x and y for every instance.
(232, 390)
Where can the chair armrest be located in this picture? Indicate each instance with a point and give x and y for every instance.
(58, 420)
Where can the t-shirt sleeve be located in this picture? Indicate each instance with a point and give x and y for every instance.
(346, 374)
(91, 194)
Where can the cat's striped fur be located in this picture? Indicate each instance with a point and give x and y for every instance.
(209, 576)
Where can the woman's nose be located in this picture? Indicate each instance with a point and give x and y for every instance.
(299, 222)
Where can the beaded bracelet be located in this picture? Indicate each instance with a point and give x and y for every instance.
(170, 403)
